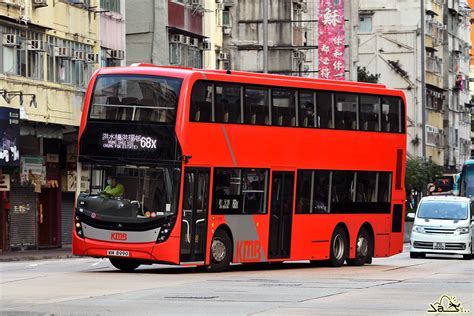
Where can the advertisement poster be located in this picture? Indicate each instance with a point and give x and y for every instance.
(331, 39)
(33, 172)
(9, 137)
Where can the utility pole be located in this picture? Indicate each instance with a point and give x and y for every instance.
(265, 35)
(423, 78)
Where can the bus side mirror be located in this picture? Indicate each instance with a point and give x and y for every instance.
(411, 215)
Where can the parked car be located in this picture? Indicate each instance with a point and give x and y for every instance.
(442, 225)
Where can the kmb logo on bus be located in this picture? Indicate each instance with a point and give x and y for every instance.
(247, 250)
(118, 236)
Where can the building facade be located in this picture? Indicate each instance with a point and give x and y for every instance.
(457, 117)
(112, 33)
(411, 47)
(166, 32)
(292, 37)
(48, 51)
(471, 73)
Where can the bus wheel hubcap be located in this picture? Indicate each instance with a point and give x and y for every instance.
(338, 247)
(218, 250)
(362, 246)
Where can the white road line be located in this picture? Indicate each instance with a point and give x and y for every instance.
(96, 263)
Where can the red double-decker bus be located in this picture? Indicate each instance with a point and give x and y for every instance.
(201, 167)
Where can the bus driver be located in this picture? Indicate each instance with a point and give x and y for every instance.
(113, 188)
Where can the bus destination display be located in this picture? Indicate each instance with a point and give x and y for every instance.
(128, 141)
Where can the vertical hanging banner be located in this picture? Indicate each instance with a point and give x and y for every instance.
(331, 39)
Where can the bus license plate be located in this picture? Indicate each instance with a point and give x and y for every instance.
(439, 246)
(118, 253)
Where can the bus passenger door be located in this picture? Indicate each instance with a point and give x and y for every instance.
(194, 215)
(281, 211)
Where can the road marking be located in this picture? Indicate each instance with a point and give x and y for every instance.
(32, 265)
(96, 263)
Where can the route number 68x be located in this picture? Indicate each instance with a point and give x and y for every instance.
(148, 142)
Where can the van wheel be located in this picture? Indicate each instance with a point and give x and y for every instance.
(221, 252)
(339, 248)
(125, 265)
(364, 249)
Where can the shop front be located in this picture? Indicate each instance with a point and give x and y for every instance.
(9, 163)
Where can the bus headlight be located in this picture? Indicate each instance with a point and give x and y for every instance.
(419, 229)
(164, 233)
(78, 226)
(461, 230)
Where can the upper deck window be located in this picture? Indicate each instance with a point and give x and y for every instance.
(234, 103)
(135, 98)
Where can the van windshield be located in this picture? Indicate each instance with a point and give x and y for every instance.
(453, 210)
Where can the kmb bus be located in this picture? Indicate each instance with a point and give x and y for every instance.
(226, 166)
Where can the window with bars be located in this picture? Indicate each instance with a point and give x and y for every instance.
(110, 5)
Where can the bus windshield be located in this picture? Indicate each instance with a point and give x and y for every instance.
(135, 98)
(129, 193)
(452, 210)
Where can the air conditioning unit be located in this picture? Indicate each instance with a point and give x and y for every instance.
(37, 45)
(40, 3)
(194, 42)
(79, 55)
(187, 40)
(92, 58)
(63, 52)
(11, 40)
(222, 56)
(220, 6)
(176, 38)
(115, 54)
(227, 30)
(206, 45)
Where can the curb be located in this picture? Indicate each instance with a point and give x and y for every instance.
(29, 257)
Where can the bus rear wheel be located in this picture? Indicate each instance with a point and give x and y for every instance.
(125, 265)
(339, 248)
(221, 252)
(364, 249)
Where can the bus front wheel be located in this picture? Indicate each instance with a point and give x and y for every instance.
(364, 249)
(339, 247)
(221, 252)
(125, 265)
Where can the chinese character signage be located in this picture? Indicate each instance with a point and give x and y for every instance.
(9, 137)
(331, 41)
(131, 142)
(128, 141)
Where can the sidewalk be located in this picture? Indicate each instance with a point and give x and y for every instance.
(59, 253)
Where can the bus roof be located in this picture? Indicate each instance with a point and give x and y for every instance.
(469, 162)
(183, 71)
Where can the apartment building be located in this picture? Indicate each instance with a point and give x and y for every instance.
(168, 32)
(48, 51)
(419, 47)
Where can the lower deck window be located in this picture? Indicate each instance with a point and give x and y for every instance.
(240, 191)
(324, 191)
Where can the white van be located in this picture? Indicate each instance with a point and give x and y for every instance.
(443, 225)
